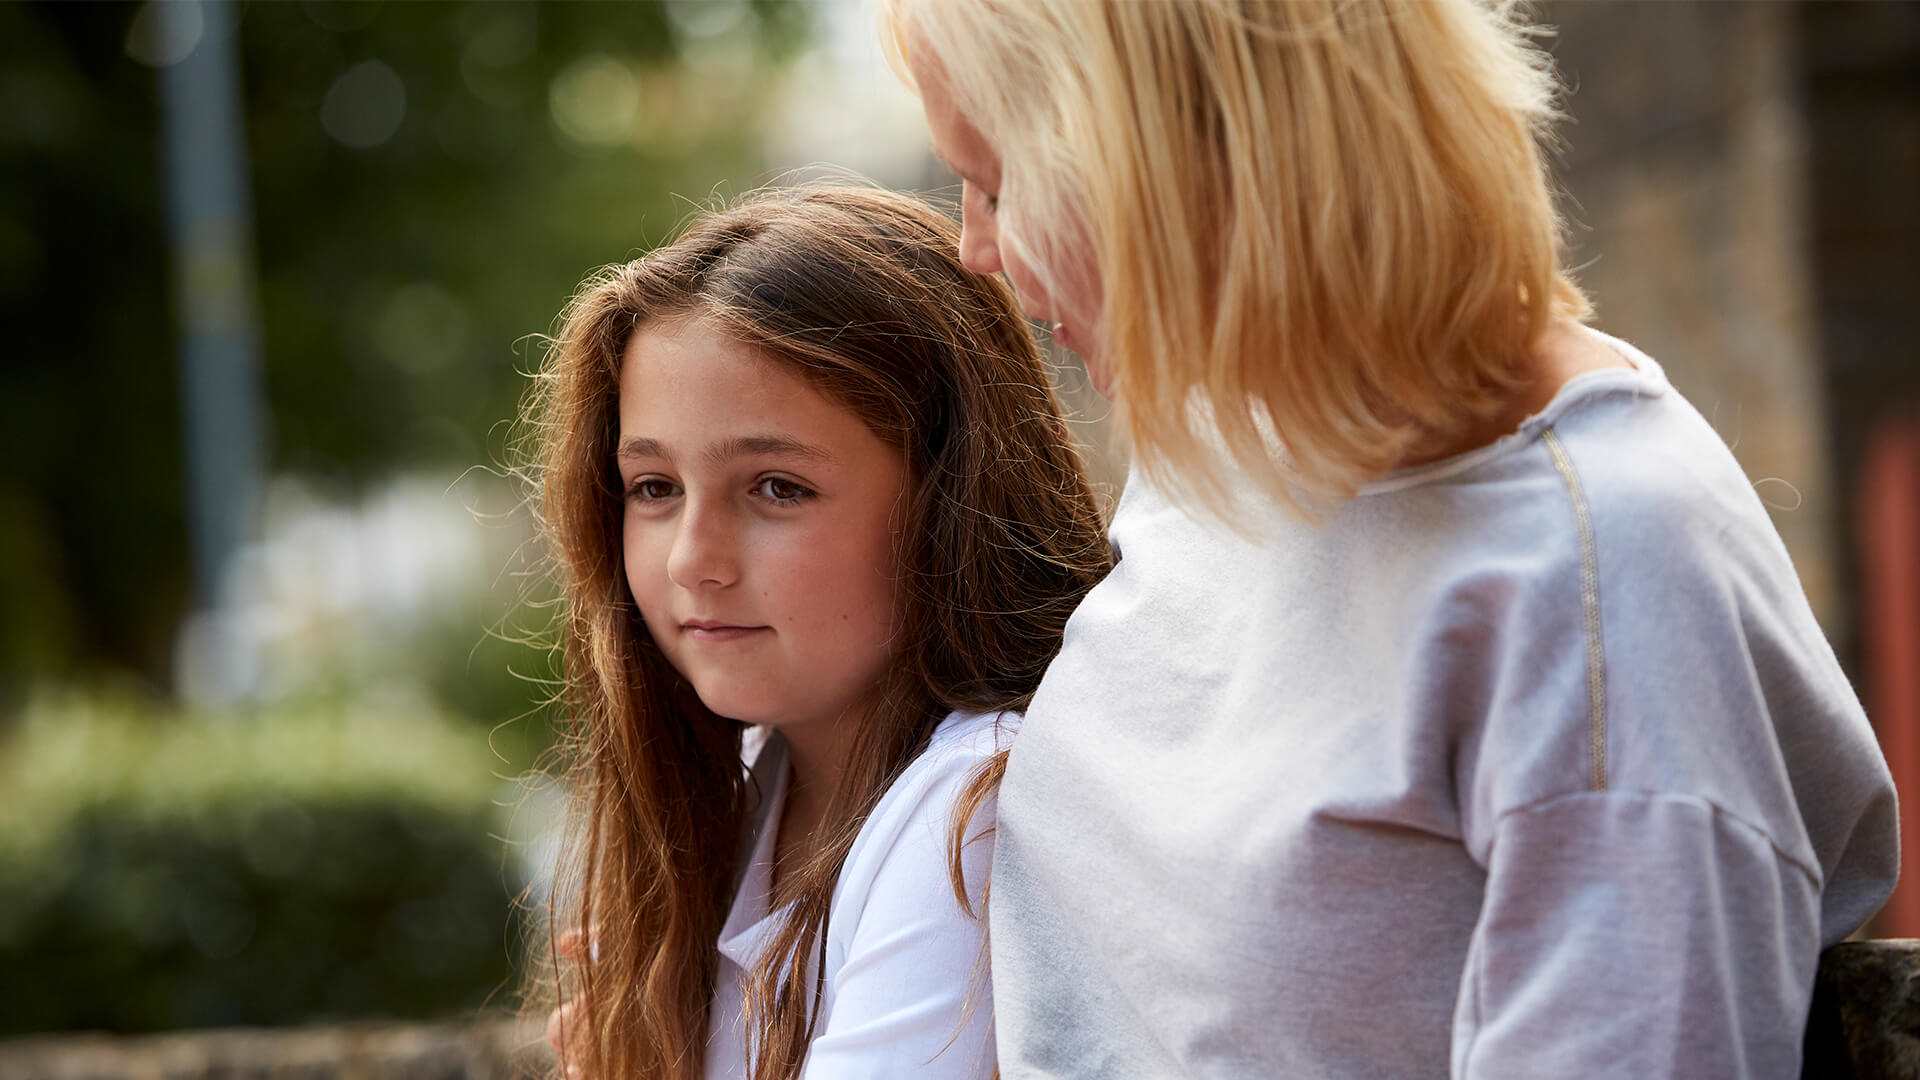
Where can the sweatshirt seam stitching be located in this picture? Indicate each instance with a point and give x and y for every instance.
(1590, 609)
(1712, 806)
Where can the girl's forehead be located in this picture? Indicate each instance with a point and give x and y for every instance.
(679, 371)
(688, 389)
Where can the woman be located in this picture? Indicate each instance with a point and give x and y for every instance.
(1453, 706)
(803, 481)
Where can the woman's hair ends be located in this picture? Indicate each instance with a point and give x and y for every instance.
(1325, 229)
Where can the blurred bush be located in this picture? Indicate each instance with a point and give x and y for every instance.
(160, 870)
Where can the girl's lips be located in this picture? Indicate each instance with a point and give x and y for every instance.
(720, 631)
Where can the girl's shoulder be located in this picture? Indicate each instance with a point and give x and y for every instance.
(905, 961)
(960, 738)
(904, 845)
(925, 791)
(964, 736)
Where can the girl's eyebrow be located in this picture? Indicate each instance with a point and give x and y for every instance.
(719, 453)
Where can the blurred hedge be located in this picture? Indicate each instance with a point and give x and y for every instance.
(160, 870)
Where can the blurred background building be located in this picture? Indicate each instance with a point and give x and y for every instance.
(268, 617)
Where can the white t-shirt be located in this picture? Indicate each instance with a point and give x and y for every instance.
(906, 991)
(1529, 763)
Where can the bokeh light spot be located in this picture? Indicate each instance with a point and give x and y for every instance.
(705, 18)
(164, 33)
(421, 328)
(364, 106)
(595, 100)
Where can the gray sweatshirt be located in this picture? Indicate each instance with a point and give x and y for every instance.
(1529, 763)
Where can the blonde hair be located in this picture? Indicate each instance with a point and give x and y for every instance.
(861, 293)
(1327, 224)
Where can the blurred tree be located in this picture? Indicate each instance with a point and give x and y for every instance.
(430, 181)
(92, 544)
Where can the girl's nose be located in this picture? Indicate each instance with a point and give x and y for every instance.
(705, 551)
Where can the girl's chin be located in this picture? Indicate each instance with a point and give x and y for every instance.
(752, 711)
(745, 708)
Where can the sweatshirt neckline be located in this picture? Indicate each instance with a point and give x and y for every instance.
(1642, 376)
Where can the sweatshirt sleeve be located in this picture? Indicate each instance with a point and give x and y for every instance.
(1637, 934)
(1675, 796)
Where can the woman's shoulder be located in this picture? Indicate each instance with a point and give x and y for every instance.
(1619, 480)
(1652, 607)
(1665, 522)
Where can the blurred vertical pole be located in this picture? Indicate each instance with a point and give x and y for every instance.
(210, 223)
(1890, 610)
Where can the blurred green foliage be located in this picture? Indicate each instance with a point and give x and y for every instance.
(429, 183)
(162, 871)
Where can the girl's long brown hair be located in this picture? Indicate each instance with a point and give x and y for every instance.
(862, 293)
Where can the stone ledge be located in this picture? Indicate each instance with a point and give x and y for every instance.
(492, 1047)
(1865, 1023)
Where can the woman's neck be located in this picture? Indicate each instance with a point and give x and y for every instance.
(1565, 351)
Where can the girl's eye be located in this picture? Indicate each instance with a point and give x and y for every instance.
(781, 491)
(651, 489)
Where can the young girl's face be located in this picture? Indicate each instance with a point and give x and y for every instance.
(758, 528)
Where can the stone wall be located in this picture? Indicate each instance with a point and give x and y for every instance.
(1861, 66)
(1686, 174)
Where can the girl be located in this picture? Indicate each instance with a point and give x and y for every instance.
(808, 493)
(1453, 705)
